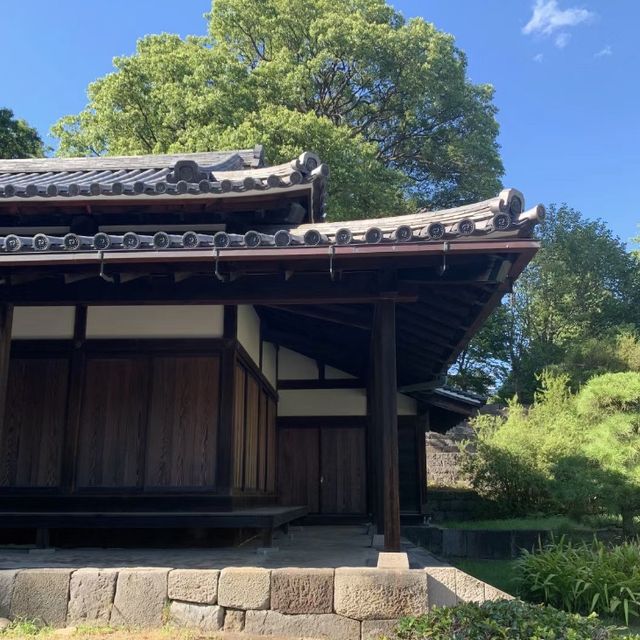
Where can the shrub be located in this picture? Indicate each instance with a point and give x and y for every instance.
(575, 454)
(502, 620)
(583, 578)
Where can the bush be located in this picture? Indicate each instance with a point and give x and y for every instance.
(502, 620)
(583, 578)
(575, 454)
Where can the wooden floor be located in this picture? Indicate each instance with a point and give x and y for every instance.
(270, 517)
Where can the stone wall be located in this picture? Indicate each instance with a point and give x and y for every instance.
(342, 604)
(444, 460)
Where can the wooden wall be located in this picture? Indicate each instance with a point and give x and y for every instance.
(148, 421)
(255, 440)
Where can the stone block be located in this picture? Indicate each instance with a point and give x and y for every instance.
(234, 620)
(141, 595)
(244, 588)
(7, 580)
(194, 585)
(314, 625)
(441, 586)
(468, 588)
(91, 596)
(204, 617)
(387, 560)
(491, 593)
(379, 594)
(302, 590)
(41, 595)
(376, 629)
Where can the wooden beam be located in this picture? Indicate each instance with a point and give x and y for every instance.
(264, 290)
(385, 405)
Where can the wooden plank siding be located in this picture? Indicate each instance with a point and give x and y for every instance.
(32, 434)
(183, 422)
(113, 423)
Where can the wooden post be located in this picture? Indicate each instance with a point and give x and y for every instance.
(74, 400)
(384, 405)
(6, 322)
(225, 457)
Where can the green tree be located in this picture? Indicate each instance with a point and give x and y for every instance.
(17, 138)
(567, 309)
(384, 101)
(577, 453)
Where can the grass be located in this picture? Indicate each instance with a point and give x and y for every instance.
(499, 573)
(548, 523)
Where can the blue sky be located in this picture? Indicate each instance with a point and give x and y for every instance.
(565, 73)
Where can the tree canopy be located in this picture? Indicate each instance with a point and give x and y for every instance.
(17, 138)
(384, 101)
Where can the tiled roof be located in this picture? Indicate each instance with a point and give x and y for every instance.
(195, 175)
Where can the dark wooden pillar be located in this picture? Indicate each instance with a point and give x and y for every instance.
(75, 390)
(6, 322)
(385, 420)
(225, 457)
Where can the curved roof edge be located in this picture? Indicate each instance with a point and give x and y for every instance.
(502, 217)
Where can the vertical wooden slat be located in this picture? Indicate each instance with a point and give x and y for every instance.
(75, 388)
(386, 390)
(225, 457)
(239, 422)
(6, 323)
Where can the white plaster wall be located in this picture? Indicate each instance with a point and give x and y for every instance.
(44, 323)
(333, 402)
(294, 366)
(155, 321)
(249, 331)
(336, 374)
(407, 406)
(270, 362)
(322, 402)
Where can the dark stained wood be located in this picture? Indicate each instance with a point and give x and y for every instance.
(239, 426)
(386, 389)
(272, 447)
(409, 478)
(113, 422)
(201, 289)
(182, 429)
(6, 323)
(31, 438)
(263, 427)
(299, 467)
(226, 403)
(251, 434)
(74, 397)
(343, 471)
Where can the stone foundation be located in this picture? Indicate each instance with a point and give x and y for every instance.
(344, 604)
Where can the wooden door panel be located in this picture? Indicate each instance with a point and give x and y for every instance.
(32, 437)
(112, 423)
(181, 434)
(299, 467)
(343, 471)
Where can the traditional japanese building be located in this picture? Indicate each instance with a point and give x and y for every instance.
(184, 341)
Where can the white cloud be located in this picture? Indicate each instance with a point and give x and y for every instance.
(604, 52)
(548, 17)
(562, 39)
(538, 57)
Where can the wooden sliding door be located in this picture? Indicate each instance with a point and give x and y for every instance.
(323, 468)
